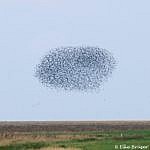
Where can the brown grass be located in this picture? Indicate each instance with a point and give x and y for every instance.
(12, 138)
(20, 132)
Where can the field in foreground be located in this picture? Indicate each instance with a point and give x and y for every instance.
(75, 135)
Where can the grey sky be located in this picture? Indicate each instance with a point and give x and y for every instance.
(28, 28)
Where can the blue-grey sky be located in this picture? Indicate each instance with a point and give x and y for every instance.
(29, 28)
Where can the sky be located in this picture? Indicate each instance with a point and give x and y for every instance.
(29, 28)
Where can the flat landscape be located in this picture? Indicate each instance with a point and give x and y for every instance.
(74, 135)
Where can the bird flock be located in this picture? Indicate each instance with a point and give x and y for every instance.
(75, 68)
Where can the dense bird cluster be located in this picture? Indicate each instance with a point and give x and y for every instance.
(75, 68)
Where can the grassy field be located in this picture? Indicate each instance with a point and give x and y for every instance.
(72, 136)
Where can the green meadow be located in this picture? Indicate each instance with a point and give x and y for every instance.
(101, 140)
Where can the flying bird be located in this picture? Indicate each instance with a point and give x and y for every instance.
(75, 68)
